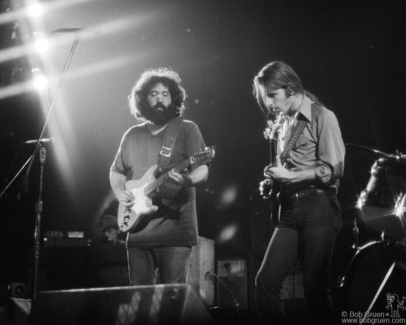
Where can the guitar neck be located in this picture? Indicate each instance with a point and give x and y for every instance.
(194, 161)
(272, 133)
(159, 181)
(272, 151)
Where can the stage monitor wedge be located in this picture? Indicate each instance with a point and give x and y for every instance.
(160, 305)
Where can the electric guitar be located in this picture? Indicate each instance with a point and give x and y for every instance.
(145, 188)
(269, 189)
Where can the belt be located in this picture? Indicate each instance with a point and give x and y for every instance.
(309, 192)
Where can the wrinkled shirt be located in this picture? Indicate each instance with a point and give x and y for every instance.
(175, 222)
(320, 147)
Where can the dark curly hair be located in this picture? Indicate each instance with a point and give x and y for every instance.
(138, 98)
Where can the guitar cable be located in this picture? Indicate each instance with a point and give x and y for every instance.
(117, 244)
(236, 303)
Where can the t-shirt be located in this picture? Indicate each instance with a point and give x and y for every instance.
(175, 222)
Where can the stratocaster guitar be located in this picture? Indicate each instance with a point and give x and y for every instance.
(145, 188)
(270, 189)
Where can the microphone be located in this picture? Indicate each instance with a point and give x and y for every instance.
(43, 140)
(75, 30)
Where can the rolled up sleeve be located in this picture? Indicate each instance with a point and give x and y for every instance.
(331, 149)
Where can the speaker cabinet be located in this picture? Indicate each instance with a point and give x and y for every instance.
(161, 304)
(292, 287)
(261, 226)
(102, 266)
(232, 288)
(18, 290)
(78, 267)
(201, 270)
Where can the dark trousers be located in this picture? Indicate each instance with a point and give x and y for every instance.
(308, 226)
(172, 263)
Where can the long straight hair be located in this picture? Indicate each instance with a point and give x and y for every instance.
(277, 75)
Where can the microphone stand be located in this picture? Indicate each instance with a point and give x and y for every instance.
(42, 161)
(38, 210)
(42, 155)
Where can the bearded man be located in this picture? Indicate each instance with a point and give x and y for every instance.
(159, 246)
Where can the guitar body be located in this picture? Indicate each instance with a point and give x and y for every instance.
(274, 204)
(147, 186)
(129, 217)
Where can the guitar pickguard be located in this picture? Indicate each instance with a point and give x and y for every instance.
(130, 217)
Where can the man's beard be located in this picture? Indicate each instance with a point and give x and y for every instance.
(159, 114)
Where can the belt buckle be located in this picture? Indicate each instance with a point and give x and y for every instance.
(300, 195)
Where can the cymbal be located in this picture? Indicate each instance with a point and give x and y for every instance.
(368, 152)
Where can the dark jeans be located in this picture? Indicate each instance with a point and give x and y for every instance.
(308, 226)
(172, 263)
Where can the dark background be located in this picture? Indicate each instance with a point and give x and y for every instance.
(349, 53)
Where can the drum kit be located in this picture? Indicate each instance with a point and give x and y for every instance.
(375, 280)
(382, 205)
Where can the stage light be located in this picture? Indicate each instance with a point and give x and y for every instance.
(34, 10)
(40, 82)
(40, 42)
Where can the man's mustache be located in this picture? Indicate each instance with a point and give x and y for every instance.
(159, 105)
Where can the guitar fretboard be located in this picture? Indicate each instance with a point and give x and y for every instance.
(198, 157)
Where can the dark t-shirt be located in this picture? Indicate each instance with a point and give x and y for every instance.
(175, 222)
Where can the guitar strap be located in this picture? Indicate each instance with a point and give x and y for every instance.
(296, 132)
(168, 189)
(171, 134)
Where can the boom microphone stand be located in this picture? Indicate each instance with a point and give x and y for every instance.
(39, 148)
(42, 161)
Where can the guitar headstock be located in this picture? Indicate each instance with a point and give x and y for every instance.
(274, 126)
(203, 155)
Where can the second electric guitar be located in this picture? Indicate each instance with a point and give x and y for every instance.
(271, 189)
(147, 186)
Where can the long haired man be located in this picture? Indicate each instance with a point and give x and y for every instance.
(159, 246)
(310, 164)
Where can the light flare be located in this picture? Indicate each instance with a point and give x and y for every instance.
(229, 196)
(400, 208)
(228, 233)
